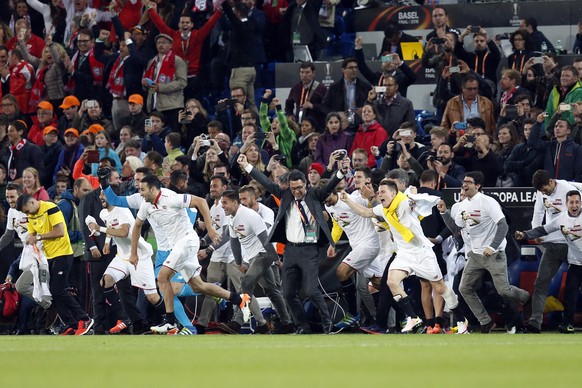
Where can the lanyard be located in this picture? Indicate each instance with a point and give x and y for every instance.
(304, 95)
(521, 64)
(482, 63)
(302, 213)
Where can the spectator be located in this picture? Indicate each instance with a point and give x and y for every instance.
(155, 134)
(70, 153)
(440, 21)
(449, 173)
(306, 96)
(172, 146)
(4, 68)
(301, 25)
(507, 139)
(522, 50)
(125, 134)
(50, 70)
(231, 112)
(26, 38)
(370, 133)
(21, 153)
(486, 56)
(105, 148)
(51, 149)
(469, 104)
(70, 107)
(333, 139)
(91, 113)
(537, 37)
(31, 184)
(510, 86)
(21, 79)
(44, 117)
(393, 109)
(54, 17)
(285, 138)
(307, 128)
(85, 73)
(392, 65)
(393, 36)
(347, 94)
(133, 148)
(314, 174)
(193, 121)
(567, 92)
(241, 39)
(309, 158)
(483, 160)
(253, 156)
(187, 44)
(525, 159)
(165, 79)
(124, 76)
(438, 136)
(136, 117)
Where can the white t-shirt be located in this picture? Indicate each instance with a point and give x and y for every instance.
(169, 212)
(268, 215)
(419, 243)
(246, 225)
(570, 228)
(479, 216)
(464, 233)
(358, 229)
(219, 221)
(18, 221)
(114, 219)
(134, 201)
(551, 206)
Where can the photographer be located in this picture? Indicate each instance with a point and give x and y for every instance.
(406, 133)
(206, 154)
(450, 173)
(155, 134)
(229, 111)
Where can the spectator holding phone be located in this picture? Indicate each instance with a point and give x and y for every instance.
(156, 132)
(392, 108)
(522, 50)
(485, 57)
(562, 96)
(89, 114)
(334, 138)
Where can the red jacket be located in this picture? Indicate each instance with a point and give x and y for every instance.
(189, 50)
(20, 86)
(35, 45)
(35, 134)
(374, 135)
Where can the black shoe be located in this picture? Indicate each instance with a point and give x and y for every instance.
(286, 329)
(486, 329)
(303, 330)
(529, 329)
(200, 329)
(231, 327)
(263, 329)
(566, 328)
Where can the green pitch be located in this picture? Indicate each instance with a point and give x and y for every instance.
(496, 360)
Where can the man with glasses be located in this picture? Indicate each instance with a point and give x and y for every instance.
(300, 225)
(482, 218)
(469, 104)
(84, 71)
(230, 111)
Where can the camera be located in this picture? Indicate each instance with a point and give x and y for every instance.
(438, 40)
(281, 159)
(432, 155)
(538, 61)
(342, 154)
(231, 101)
(511, 112)
(454, 69)
(147, 122)
(397, 148)
(475, 29)
(470, 138)
(505, 35)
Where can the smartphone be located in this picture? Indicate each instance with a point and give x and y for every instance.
(545, 114)
(380, 89)
(538, 61)
(475, 29)
(260, 135)
(205, 143)
(387, 58)
(405, 132)
(511, 112)
(92, 156)
(147, 122)
(460, 125)
(438, 40)
(565, 107)
(470, 138)
(92, 104)
(454, 69)
(341, 154)
(281, 158)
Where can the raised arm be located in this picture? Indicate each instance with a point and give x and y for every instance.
(356, 207)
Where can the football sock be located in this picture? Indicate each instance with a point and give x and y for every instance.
(349, 289)
(406, 306)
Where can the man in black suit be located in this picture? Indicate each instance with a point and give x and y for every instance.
(301, 226)
(84, 76)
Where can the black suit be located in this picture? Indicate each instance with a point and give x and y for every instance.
(300, 265)
(335, 99)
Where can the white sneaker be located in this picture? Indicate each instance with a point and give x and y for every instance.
(244, 307)
(512, 330)
(463, 327)
(411, 323)
(163, 328)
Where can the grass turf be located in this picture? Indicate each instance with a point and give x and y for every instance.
(496, 360)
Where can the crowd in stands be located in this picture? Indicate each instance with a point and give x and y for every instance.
(137, 86)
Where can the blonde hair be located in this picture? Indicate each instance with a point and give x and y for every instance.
(36, 176)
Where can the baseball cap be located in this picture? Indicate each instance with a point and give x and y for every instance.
(317, 167)
(136, 99)
(45, 105)
(48, 129)
(95, 128)
(139, 29)
(164, 36)
(70, 101)
(73, 131)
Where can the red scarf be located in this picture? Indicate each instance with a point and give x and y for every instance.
(14, 150)
(115, 83)
(38, 88)
(167, 70)
(96, 70)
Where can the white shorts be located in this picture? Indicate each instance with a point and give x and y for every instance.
(142, 277)
(183, 257)
(376, 268)
(362, 256)
(423, 265)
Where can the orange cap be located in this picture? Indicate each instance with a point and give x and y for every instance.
(48, 129)
(70, 101)
(73, 131)
(45, 105)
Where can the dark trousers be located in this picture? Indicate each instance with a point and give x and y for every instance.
(573, 281)
(301, 271)
(386, 299)
(68, 308)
